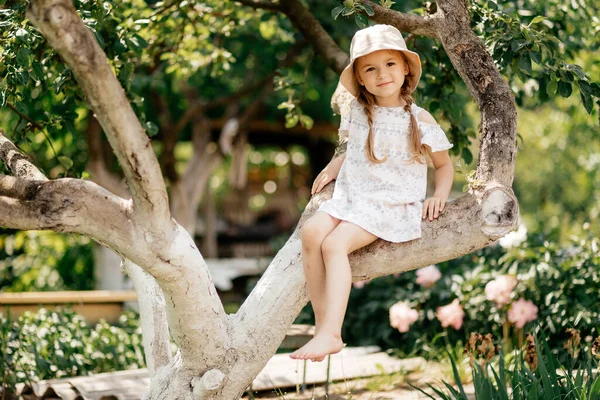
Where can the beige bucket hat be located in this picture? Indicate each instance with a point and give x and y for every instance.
(374, 38)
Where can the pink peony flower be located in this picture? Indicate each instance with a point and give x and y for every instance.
(361, 284)
(402, 316)
(451, 315)
(521, 312)
(428, 276)
(500, 289)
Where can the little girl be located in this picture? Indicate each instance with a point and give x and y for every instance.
(380, 180)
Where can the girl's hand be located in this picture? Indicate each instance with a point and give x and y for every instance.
(433, 207)
(329, 173)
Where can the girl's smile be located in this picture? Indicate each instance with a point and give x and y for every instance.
(382, 73)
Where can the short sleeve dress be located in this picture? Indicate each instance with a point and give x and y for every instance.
(384, 199)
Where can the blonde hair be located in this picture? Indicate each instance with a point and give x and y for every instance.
(367, 100)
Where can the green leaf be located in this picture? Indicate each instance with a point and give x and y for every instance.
(151, 128)
(467, 155)
(65, 161)
(551, 88)
(517, 44)
(291, 121)
(361, 20)
(525, 63)
(564, 88)
(536, 56)
(577, 69)
(37, 71)
(335, 13)
(595, 89)
(306, 121)
(368, 10)
(587, 100)
(23, 77)
(537, 19)
(23, 57)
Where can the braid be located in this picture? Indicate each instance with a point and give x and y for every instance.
(367, 100)
(417, 150)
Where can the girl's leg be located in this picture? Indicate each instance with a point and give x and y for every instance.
(313, 232)
(345, 238)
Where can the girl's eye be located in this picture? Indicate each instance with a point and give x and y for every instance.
(391, 63)
(370, 69)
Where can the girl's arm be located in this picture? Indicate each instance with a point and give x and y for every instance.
(329, 173)
(444, 176)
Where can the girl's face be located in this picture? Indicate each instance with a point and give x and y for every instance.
(382, 73)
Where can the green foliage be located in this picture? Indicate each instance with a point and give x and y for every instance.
(59, 344)
(35, 81)
(45, 261)
(579, 379)
(557, 174)
(563, 282)
(516, 45)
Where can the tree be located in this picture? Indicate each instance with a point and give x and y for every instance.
(220, 354)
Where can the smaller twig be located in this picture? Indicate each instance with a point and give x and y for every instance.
(265, 5)
(34, 124)
(23, 116)
(163, 8)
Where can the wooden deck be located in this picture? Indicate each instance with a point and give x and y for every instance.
(280, 372)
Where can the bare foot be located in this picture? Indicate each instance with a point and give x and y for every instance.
(319, 346)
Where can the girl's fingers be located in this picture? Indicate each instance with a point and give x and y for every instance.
(436, 209)
(425, 209)
(316, 183)
(431, 209)
(442, 205)
(324, 180)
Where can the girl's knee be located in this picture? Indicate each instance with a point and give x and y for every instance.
(332, 245)
(312, 234)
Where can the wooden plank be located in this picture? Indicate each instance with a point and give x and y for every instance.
(125, 385)
(282, 371)
(91, 312)
(69, 297)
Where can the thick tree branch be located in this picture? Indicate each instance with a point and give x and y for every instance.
(68, 205)
(65, 31)
(491, 93)
(314, 33)
(17, 162)
(424, 26)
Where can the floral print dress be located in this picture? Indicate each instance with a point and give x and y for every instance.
(384, 199)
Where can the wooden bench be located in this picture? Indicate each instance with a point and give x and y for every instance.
(93, 305)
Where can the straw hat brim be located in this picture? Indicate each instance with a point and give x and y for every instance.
(414, 64)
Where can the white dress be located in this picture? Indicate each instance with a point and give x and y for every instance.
(384, 199)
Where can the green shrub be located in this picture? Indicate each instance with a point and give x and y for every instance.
(45, 261)
(59, 344)
(533, 373)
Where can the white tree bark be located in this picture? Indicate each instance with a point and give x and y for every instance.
(219, 355)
